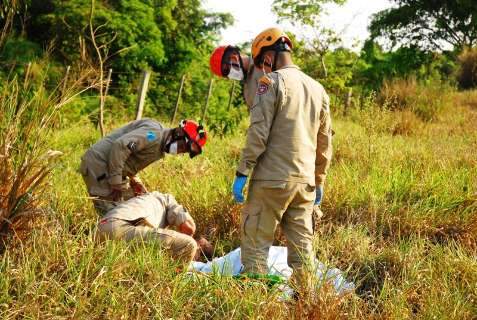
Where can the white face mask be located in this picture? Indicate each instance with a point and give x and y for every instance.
(235, 74)
(173, 148)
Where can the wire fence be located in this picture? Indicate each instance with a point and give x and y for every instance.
(141, 91)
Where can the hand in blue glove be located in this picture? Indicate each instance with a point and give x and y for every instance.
(237, 188)
(319, 195)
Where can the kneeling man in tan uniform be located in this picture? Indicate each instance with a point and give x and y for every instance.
(146, 217)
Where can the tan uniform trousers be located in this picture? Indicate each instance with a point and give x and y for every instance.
(273, 203)
(181, 246)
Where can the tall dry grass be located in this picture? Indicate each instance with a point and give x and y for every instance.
(425, 101)
(28, 114)
(400, 210)
(25, 119)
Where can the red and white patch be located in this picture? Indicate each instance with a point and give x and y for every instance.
(262, 89)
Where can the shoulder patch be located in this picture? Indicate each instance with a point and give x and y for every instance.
(150, 136)
(265, 80)
(132, 146)
(262, 89)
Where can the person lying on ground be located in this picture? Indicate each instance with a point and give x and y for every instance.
(148, 217)
(109, 168)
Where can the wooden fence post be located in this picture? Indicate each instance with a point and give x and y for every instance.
(349, 95)
(178, 98)
(65, 81)
(323, 64)
(211, 81)
(108, 82)
(142, 93)
(231, 95)
(27, 75)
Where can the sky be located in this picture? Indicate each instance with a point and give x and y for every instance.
(352, 18)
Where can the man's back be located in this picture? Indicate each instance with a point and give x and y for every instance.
(124, 152)
(290, 152)
(102, 148)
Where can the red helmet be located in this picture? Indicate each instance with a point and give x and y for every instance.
(194, 132)
(216, 60)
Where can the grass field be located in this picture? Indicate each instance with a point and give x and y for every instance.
(400, 218)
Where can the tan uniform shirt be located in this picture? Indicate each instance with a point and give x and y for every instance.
(251, 84)
(289, 138)
(158, 209)
(124, 152)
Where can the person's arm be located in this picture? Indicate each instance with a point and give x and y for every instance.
(137, 186)
(177, 215)
(262, 113)
(121, 149)
(324, 147)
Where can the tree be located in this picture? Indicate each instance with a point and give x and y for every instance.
(307, 14)
(302, 12)
(377, 65)
(429, 24)
(9, 10)
(165, 36)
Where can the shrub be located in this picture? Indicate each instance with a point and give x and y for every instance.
(426, 101)
(467, 74)
(28, 113)
(466, 98)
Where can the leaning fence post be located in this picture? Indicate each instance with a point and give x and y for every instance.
(27, 75)
(65, 81)
(178, 98)
(231, 95)
(142, 93)
(349, 95)
(323, 65)
(108, 82)
(208, 98)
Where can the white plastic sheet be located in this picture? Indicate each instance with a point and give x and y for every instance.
(230, 264)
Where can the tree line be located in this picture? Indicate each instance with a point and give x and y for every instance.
(429, 41)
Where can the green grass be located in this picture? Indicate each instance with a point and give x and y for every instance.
(400, 218)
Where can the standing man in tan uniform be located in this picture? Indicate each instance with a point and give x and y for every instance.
(287, 154)
(110, 166)
(146, 217)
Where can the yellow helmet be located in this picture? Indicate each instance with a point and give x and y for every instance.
(267, 38)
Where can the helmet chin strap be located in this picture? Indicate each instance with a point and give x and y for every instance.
(274, 67)
(243, 69)
(279, 47)
(172, 138)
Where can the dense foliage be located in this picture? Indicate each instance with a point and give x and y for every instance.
(173, 38)
(429, 23)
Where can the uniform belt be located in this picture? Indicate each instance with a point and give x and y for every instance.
(103, 176)
(140, 222)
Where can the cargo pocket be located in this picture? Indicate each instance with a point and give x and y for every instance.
(251, 219)
(310, 192)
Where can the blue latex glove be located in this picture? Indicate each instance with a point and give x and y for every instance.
(237, 188)
(319, 195)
